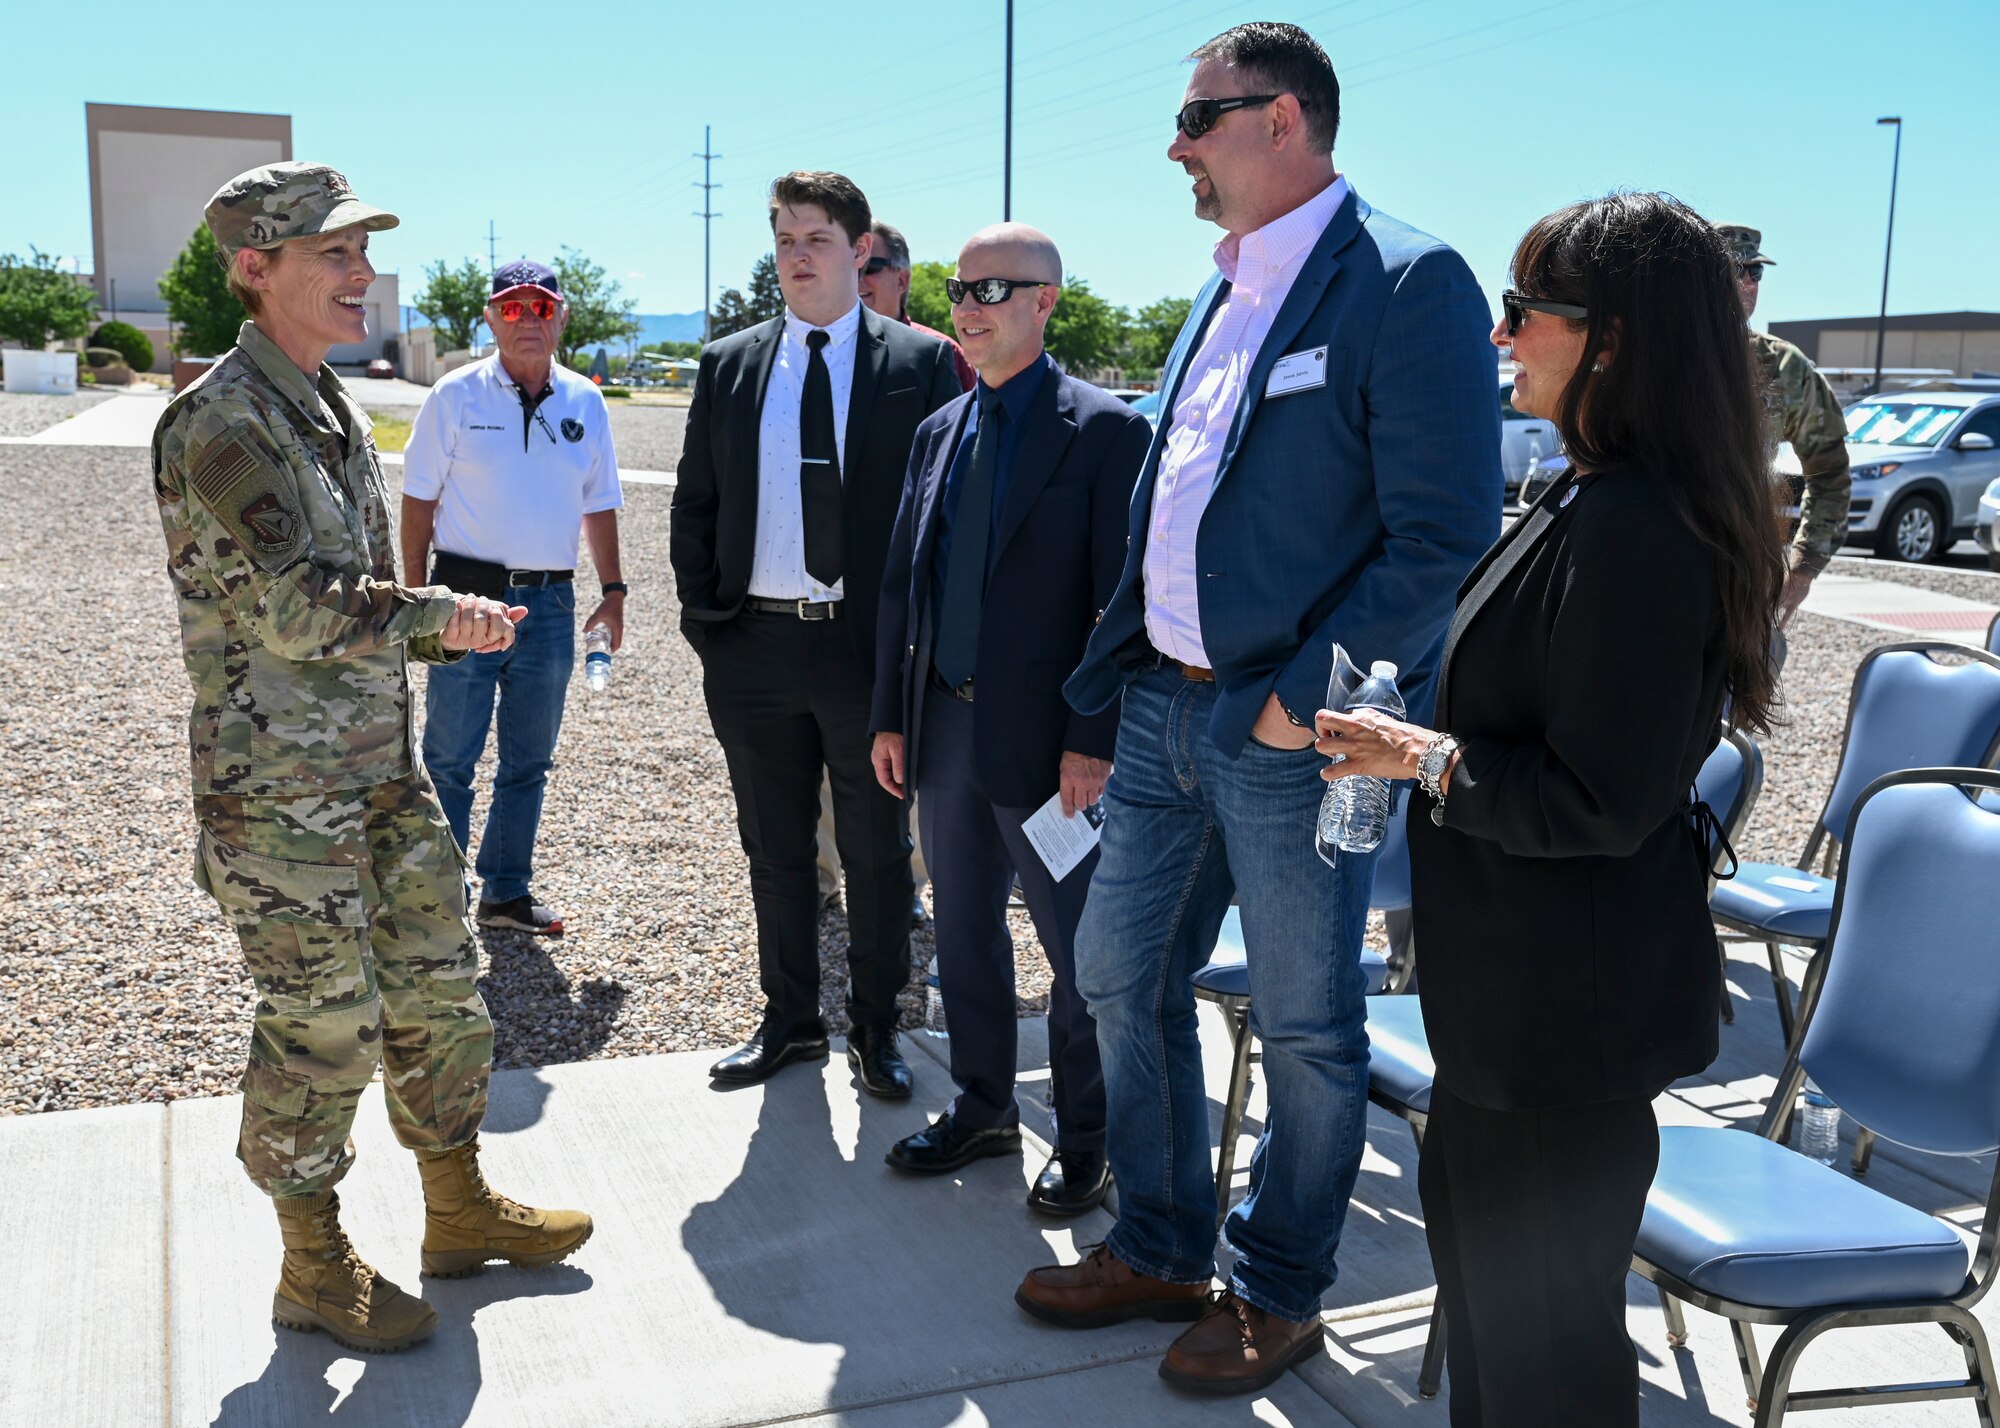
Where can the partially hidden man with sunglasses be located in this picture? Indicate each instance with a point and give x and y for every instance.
(790, 473)
(1327, 469)
(510, 460)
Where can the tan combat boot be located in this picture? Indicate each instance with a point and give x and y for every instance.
(326, 1285)
(466, 1224)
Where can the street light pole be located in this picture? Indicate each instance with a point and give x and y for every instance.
(1007, 142)
(1882, 319)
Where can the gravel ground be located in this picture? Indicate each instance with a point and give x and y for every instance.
(23, 415)
(1966, 584)
(120, 982)
(648, 437)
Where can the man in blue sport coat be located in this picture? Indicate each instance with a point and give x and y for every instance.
(1009, 542)
(1327, 468)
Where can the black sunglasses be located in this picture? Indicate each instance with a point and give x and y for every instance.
(986, 291)
(1751, 272)
(878, 265)
(1517, 308)
(1198, 116)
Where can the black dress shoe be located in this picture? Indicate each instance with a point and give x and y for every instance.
(947, 1143)
(1072, 1183)
(871, 1050)
(764, 1055)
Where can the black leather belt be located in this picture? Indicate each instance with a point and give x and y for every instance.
(539, 577)
(800, 609)
(489, 578)
(960, 691)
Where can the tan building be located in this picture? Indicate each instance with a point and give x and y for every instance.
(151, 173)
(1958, 344)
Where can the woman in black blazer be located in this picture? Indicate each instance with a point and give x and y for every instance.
(1569, 969)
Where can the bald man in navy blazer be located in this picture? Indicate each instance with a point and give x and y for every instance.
(1007, 546)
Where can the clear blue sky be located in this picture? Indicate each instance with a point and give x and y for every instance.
(574, 124)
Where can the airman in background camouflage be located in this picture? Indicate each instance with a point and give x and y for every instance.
(1800, 408)
(320, 834)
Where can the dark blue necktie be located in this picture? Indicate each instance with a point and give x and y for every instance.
(819, 467)
(965, 575)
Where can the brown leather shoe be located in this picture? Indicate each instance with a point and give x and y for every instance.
(1102, 1289)
(1238, 1348)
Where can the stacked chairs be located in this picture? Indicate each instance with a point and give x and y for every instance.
(1902, 1027)
(1906, 710)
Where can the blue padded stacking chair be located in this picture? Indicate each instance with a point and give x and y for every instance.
(1906, 711)
(1226, 982)
(1730, 782)
(1993, 636)
(1903, 1029)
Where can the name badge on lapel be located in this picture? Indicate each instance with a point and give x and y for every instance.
(1297, 372)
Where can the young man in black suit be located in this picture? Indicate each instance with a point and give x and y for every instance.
(787, 488)
(1010, 541)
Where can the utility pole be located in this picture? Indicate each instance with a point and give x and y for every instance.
(1882, 319)
(1007, 140)
(707, 217)
(492, 250)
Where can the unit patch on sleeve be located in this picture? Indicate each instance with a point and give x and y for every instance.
(273, 529)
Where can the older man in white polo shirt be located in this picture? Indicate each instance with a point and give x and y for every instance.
(510, 459)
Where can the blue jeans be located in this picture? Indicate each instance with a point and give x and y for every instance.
(531, 679)
(1186, 828)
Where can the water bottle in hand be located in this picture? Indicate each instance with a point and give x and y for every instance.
(597, 658)
(1818, 1135)
(1355, 812)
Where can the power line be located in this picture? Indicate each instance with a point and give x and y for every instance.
(707, 217)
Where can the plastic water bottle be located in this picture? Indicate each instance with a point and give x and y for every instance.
(934, 1004)
(597, 658)
(1818, 1135)
(1355, 812)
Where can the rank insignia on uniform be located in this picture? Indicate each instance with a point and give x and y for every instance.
(572, 428)
(271, 526)
(216, 477)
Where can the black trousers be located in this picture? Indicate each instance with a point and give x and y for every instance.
(789, 697)
(1531, 1217)
(973, 848)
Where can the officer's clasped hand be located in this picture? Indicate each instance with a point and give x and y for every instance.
(481, 625)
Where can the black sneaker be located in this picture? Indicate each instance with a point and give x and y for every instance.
(521, 914)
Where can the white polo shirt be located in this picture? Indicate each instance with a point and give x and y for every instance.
(512, 486)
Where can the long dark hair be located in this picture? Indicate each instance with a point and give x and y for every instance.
(1678, 399)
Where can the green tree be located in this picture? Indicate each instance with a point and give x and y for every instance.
(40, 304)
(673, 349)
(454, 299)
(127, 341)
(928, 303)
(734, 311)
(599, 313)
(1084, 331)
(199, 302)
(1152, 333)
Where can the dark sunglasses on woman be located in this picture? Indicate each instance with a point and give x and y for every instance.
(1517, 308)
(1198, 116)
(986, 291)
(543, 308)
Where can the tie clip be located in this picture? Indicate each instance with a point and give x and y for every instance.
(816, 460)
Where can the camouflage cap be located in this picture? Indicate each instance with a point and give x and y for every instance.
(1744, 243)
(267, 206)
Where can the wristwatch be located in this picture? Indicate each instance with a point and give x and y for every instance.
(1431, 766)
(613, 587)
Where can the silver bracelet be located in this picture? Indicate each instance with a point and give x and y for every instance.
(1431, 766)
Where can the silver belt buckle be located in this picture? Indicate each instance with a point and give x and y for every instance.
(806, 608)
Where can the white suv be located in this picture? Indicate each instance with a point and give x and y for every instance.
(1921, 461)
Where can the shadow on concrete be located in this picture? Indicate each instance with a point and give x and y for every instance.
(436, 1384)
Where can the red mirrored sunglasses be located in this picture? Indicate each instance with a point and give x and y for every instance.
(543, 308)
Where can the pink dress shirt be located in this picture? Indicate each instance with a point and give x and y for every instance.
(1260, 268)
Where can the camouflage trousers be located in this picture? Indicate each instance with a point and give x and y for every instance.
(350, 906)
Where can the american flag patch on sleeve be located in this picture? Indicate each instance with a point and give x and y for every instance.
(224, 470)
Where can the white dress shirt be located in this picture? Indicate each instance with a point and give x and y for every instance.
(512, 486)
(778, 560)
(1260, 268)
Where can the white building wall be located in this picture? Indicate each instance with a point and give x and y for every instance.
(154, 187)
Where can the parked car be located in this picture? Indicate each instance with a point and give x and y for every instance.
(1128, 395)
(1525, 441)
(381, 367)
(1989, 516)
(1921, 461)
(1147, 405)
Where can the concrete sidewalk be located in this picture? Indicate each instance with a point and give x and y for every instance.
(754, 1262)
(1901, 609)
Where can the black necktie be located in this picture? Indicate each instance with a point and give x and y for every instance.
(819, 467)
(965, 574)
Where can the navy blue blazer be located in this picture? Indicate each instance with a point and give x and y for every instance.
(1053, 560)
(1349, 511)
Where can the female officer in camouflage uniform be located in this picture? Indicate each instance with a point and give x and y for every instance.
(320, 833)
